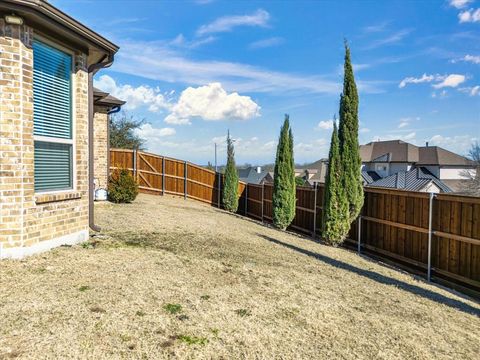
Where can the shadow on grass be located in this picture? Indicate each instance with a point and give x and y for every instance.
(382, 279)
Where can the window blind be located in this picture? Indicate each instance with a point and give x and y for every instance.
(51, 91)
(52, 118)
(53, 170)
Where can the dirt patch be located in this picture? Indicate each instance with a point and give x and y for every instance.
(168, 278)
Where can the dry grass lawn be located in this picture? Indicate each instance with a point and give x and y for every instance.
(169, 278)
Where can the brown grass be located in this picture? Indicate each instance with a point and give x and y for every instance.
(168, 278)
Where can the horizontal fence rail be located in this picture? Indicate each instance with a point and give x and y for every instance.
(439, 236)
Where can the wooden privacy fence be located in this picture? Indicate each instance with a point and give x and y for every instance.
(433, 235)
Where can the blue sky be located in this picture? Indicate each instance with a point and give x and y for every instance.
(194, 69)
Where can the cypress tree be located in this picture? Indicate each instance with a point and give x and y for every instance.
(335, 205)
(348, 140)
(284, 197)
(230, 188)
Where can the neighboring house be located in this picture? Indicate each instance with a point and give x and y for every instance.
(449, 167)
(314, 172)
(255, 175)
(386, 158)
(105, 105)
(47, 63)
(416, 179)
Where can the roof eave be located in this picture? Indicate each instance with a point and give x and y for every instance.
(41, 10)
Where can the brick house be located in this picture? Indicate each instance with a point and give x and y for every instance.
(47, 107)
(401, 165)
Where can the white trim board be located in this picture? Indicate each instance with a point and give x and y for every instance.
(42, 246)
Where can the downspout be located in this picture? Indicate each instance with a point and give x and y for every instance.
(92, 69)
(113, 110)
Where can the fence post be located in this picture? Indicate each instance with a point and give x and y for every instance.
(185, 185)
(135, 175)
(219, 189)
(263, 197)
(163, 175)
(246, 199)
(315, 212)
(430, 216)
(359, 235)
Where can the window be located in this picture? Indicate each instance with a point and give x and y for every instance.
(52, 118)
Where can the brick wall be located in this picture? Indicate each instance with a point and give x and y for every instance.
(100, 152)
(30, 222)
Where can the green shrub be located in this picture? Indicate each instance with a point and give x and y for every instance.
(122, 187)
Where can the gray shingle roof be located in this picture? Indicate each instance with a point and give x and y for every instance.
(370, 176)
(389, 151)
(251, 176)
(415, 180)
(400, 151)
(434, 155)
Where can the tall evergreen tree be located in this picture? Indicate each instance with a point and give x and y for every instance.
(284, 197)
(348, 140)
(335, 205)
(230, 188)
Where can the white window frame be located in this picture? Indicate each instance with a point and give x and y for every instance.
(71, 141)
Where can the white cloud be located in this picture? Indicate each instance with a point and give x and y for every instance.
(452, 80)
(413, 80)
(392, 39)
(471, 15)
(316, 149)
(471, 90)
(155, 137)
(159, 61)
(227, 23)
(475, 59)
(408, 137)
(364, 130)
(219, 139)
(265, 43)
(134, 96)
(325, 125)
(212, 103)
(247, 149)
(376, 28)
(459, 143)
(147, 131)
(459, 4)
(475, 90)
(404, 122)
(181, 42)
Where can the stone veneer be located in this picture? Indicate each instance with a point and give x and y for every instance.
(31, 223)
(100, 145)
